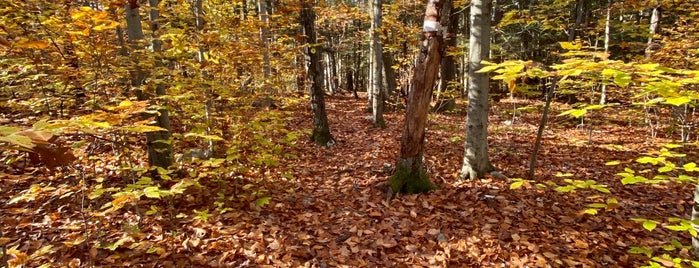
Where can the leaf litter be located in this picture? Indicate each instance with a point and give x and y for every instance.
(332, 213)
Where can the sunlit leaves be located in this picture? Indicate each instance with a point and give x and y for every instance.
(677, 101)
(32, 44)
(570, 45)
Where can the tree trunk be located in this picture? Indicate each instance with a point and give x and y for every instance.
(321, 129)
(377, 103)
(448, 67)
(580, 12)
(159, 149)
(607, 37)
(205, 76)
(542, 125)
(654, 29)
(410, 176)
(476, 162)
(389, 74)
(695, 218)
(264, 38)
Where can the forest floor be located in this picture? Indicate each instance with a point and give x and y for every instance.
(328, 209)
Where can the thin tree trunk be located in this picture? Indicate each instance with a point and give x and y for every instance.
(448, 66)
(208, 105)
(542, 126)
(159, 150)
(389, 74)
(695, 218)
(159, 147)
(264, 38)
(321, 129)
(607, 37)
(580, 12)
(476, 161)
(654, 29)
(410, 175)
(377, 103)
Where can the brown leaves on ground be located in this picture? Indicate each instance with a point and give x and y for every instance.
(332, 213)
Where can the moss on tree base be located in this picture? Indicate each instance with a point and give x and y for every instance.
(322, 138)
(410, 182)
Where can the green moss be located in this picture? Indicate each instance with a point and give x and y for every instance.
(405, 181)
(321, 137)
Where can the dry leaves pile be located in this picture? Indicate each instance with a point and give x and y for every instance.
(332, 212)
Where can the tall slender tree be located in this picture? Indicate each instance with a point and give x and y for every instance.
(321, 129)
(159, 147)
(476, 161)
(410, 175)
(376, 66)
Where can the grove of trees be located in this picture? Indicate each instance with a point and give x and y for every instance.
(382, 133)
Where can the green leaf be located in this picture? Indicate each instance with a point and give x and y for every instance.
(570, 45)
(689, 167)
(577, 113)
(597, 205)
(20, 140)
(622, 79)
(677, 227)
(4, 130)
(516, 184)
(612, 163)
(565, 189)
(601, 188)
(118, 243)
(153, 250)
(641, 250)
(143, 129)
(667, 168)
(650, 225)
(677, 101)
(206, 137)
(590, 211)
(152, 192)
(650, 160)
(262, 201)
(488, 69)
(632, 180)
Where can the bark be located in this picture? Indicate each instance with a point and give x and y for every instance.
(695, 218)
(542, 126)
(476, 161)
(389, 74)
(208, 105)
(159, 149)
(321, 129)
(448, 67)
(607, 37)
(580, 12)
(410, 175)
(654, 29)
(264, 38)
(377, 103)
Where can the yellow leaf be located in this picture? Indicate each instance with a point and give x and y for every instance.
(570, 45)
(85, 32)
(106, 26)
(125, 103)
(33, 44)
(511, 85)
